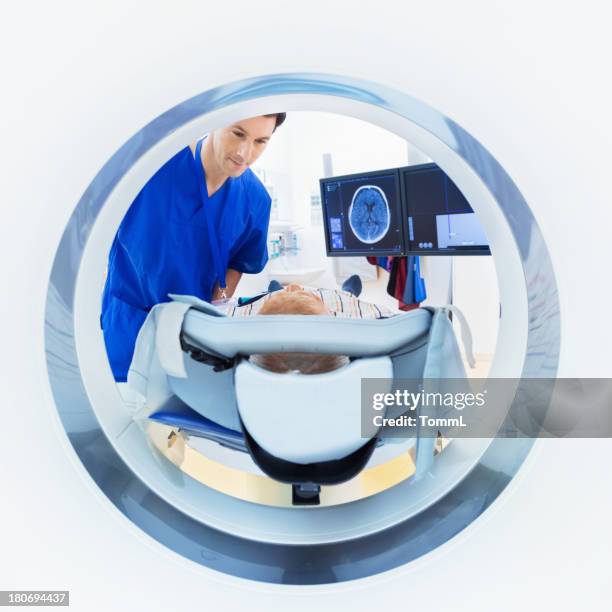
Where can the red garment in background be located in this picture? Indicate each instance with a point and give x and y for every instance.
(398, 275)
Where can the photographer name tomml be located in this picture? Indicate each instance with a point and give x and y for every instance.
(423, 420)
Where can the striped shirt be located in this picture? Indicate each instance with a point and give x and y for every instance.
(339, 303)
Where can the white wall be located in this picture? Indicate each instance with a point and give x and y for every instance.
(298, 147)
(292, 166)
(295, 157)
(476, 293)
(469, 283)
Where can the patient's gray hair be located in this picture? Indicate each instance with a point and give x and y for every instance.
(304, 363)
(297, 303)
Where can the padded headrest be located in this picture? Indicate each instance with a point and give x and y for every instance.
(306, 418)
(229, 336)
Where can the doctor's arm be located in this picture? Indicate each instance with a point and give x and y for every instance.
(252, 255)
(232, 278)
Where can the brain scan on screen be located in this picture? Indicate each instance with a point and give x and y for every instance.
(369, 214)
(363, 214)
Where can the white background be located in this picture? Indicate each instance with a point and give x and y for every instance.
(529, 80)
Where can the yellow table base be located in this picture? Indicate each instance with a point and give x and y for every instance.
(258, 489)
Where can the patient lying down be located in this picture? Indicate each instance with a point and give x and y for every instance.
(298, 300)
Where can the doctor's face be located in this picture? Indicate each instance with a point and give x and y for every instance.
(239, 145)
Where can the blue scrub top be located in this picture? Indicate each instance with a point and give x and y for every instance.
(163, 247)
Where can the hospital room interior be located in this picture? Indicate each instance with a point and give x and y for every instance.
(312, 158)
(314, 145)
(445, 207)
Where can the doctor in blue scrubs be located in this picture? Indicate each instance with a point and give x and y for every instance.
(195, 228)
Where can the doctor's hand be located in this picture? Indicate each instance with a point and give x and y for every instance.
(232, 278)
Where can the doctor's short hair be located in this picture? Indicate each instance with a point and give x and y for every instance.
(280, 118)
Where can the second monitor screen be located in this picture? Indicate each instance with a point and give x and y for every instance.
(439, 219)
(363, 214)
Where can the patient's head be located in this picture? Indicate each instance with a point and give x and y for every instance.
(295, 301)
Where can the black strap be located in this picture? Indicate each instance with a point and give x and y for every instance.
(220, 364)
(244, 301)
(334, 471)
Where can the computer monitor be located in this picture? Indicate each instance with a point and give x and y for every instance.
(362, 214)
(437, 217)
